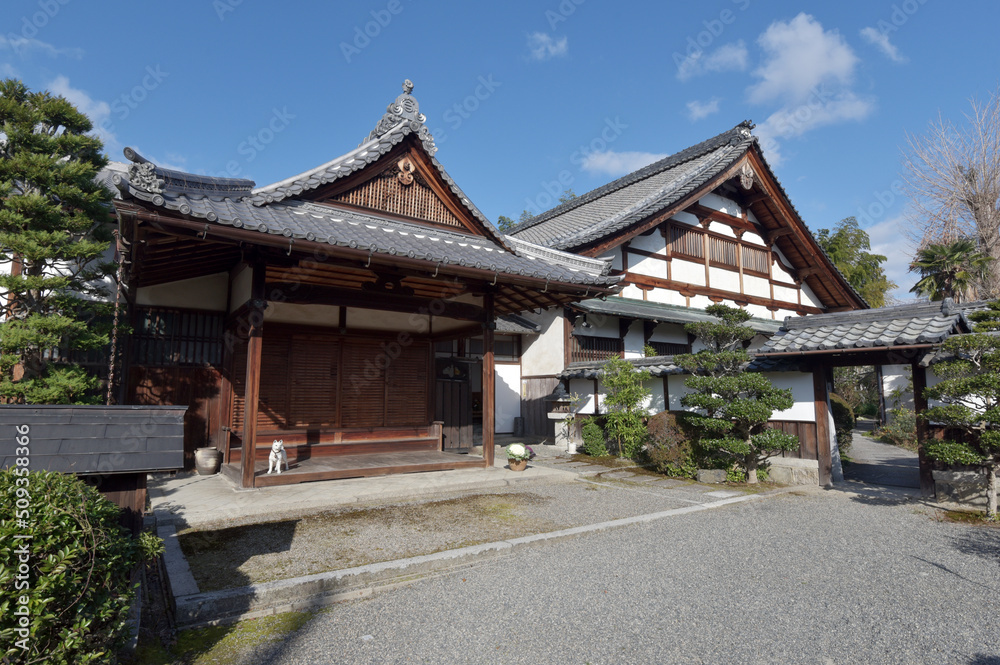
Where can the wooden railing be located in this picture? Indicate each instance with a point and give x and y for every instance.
(670, 348)
(594, 349)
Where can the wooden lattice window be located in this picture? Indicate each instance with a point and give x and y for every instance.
(670, 348)
(687, 241)
(169, 337)
(590, 349)
(724, 252)
(755, 260)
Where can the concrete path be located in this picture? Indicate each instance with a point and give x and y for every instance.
(879, 463)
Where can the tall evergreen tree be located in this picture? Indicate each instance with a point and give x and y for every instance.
(733, 406)
(53, 232)
(970, 395)
(849, 247)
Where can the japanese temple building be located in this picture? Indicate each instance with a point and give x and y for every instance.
(309, 310)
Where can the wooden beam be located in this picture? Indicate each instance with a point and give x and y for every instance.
(694, 289)
(489, 323)
(252, 397)
(919, 374)
(313, 294)
(822, 409)
(711, 214)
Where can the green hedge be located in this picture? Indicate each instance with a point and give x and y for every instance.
(65, 589)
(843, 421)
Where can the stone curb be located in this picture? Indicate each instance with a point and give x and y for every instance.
(313, 591)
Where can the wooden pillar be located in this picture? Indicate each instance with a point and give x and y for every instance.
(823, 454)
(488, 379)
(254, 349)
(919, 406)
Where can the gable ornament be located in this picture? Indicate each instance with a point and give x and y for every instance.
(747, 176)
(406, 169)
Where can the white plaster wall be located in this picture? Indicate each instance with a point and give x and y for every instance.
(507, 398)
(721, 204)
(781, 314)
(598, 325)
(688, 272)
(647, 266)
(634, 292)
(785, 294)
(373, 319)
(634, 343)
(585, 389)
(722, 229)
(242, 282)
(756, 286)
(801, 383)
(311, 315)
(667, 297)
(753, 238)
(701, 302)
(677, 391)
(727, 280)
(669, 332)
(809, 298)
(759, 311)
(542, 355)
(686, 218)
(616, 259)
(654, 242)
(205, 293)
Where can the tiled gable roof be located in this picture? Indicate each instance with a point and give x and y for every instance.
(618, 204)
(919, 323)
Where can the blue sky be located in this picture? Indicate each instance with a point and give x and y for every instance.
(525, 99)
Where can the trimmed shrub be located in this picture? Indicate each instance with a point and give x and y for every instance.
(65, 589)
(669, 449)
(843, 421)
(901, 430)
(594, 443)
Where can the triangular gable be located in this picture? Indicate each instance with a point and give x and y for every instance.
(393, 172)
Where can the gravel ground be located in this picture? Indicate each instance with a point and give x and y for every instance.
(812, 577)
(237, 556)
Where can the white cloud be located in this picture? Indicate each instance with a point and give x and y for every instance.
(881, 40)
(7, 71)
(808, 72)
(887, 239)
(801, 56)
(698, 110)
(543, 46)
(99, 112)
(23, 45)
(614, 163)
(728, 57)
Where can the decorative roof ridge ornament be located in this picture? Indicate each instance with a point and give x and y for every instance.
(142, 173)
(404, 108)
(747, 176)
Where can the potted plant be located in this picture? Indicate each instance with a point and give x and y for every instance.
(518, 455)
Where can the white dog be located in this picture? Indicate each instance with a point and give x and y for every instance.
(277, 456)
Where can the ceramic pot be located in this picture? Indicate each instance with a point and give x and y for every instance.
(517, 465)
(207, 461)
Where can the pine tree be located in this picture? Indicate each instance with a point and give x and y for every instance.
(54, 229)
(970, 397)
(733, 406)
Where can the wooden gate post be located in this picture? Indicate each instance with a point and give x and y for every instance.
(919, 374)
(488, 386)
(248, 456)
(823, 454)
